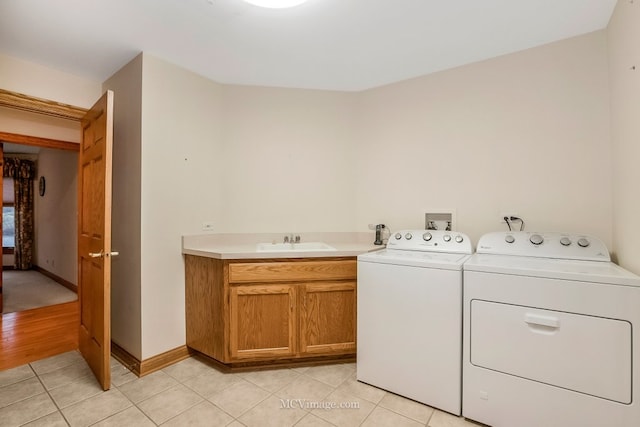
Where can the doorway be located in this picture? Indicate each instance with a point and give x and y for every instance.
(27, 335)
(50, 276)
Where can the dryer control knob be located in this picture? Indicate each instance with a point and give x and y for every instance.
(398, 236)
(509, 238)
(565, 241)
(536, 239)
(426, 237)
(583, 243)
(459, 238)
(447, 238)
(408, 236)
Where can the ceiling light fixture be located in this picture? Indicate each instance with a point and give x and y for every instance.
(276, 4)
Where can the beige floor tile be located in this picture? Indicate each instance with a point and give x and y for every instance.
(96, 408)
(65, 375)
(236, 423)
(187, 369)
(15, 375)
(27, 410)
(407, 407)
(170, 403)
(211, 383)
(80, 389)
(365, 391)
(306, 388)
(204, 414)
(19, 391)
(238, 398)
(381, 417)
(56, 362)
(444, 419)
(301, 370)
(52, 420)
(271, 413)
(311, 420)
(143, 388)
(130, 417)
(352, 413)
(120, 375)
(271, 380)
(333, 375)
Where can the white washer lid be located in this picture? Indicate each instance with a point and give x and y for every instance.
(441, 260)
(585, 271)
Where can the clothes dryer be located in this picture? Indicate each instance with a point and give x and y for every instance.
(551, 333)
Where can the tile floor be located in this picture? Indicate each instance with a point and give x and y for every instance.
(61, 391)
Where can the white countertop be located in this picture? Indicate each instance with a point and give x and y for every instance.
(244, 245)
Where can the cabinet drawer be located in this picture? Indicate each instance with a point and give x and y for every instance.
(292, 271)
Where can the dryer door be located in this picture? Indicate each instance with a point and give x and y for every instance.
(587, 354)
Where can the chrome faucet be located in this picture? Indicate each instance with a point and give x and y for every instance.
(291, 239)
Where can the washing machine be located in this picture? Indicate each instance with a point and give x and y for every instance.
(409, 332)
(551, 333)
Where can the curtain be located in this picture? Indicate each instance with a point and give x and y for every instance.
(23, 172)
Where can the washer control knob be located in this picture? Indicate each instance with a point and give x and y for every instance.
(398, 236)
(427, 236)
(447, 238)
(459, 238)
(583, 243)
(408, 236)
(509, 238)
(565, 241)
(536, 239)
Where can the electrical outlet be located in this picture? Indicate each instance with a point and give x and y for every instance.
(207, 226)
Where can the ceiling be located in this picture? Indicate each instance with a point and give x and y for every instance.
(345, 45)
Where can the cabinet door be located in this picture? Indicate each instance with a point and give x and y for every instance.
(263, 321)
(328, 318)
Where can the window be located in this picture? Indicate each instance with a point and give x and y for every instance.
(8, 227)
(8, 216)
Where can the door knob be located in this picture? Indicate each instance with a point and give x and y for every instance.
(102, 254)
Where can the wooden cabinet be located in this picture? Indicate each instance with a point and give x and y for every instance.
(241, 311)
(262, 321)
(328, 318)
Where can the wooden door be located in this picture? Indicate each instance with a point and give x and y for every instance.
(328, 318)
(94, 237)
(1, 217)
(263, 321)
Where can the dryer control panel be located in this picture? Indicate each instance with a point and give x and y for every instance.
(544, 245)
(430, 241)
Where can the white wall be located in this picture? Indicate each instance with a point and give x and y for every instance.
(181, 188)
(32, 124)
(624, 53)
(526, 133)
(36, 80)
(42, 82)
(126, 296)
(56, 221)
(288, 160)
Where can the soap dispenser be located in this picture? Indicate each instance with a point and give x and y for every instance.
(379, 228)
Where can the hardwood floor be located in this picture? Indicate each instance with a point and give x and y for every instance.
(31, 335)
